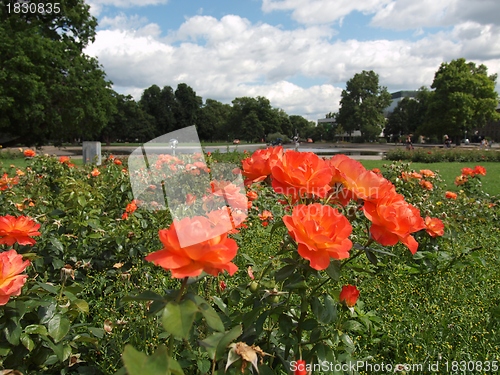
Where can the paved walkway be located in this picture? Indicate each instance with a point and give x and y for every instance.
(360, 151)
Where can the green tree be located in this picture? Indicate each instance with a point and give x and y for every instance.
(160, 103)
(129, 123)
(49, 89)
(301, 126)
(464, 97)
(404, 119)
(362, 105)
(212, 119)
(187, 106)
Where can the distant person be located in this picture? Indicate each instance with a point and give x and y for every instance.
(447, 141)
(409, 143)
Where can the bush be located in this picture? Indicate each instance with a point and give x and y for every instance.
(435, 155)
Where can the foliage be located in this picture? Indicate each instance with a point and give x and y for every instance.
(464, 97)
(362, 105)
(433, 155)
(408, 115)
(49, 89)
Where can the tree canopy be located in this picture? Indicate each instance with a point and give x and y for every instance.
(464, 98)
(362, 105)
(49, 89)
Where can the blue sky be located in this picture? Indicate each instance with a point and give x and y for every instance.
(297, 53)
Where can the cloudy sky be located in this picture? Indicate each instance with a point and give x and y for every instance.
(297, 53)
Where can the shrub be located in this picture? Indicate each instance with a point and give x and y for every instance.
(435, 154)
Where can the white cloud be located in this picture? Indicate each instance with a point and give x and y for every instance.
(322, 11)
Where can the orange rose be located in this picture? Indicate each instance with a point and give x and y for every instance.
(252, 195)
(29, 153)
(300, 367)
(95, 172)
(6, 182)
(480, 170)
(450, 195)
(351, 180)
(467, 172)
(427, 185)
(427, 173)
(301, 174)
(231, 194)
(117, 161)
(349, 295)
(210, 252)
(11, 282)
(393, 220)
(19, 230)
(258, 166)
(434, 227)
(321, 233)
(460, 180)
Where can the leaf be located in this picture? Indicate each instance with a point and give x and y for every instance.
(81, 305)
(333, 270)
(81, 200)
(212, 318)
(159, 363)
(217, 344)
(57, 244)
(12, 332)
(144, 296)
(178, 318)
(371, 257)
(285, 272)
(27, 341)
(278, 224)
(58, 327)
(37, 329)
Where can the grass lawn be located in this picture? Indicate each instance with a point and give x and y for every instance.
(449, 171)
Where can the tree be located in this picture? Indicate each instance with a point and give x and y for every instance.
(160, 104)
(362, 105)
(187, 105)
(300, 125)
(49, 89)
(464, 97)
(404, 119)
(129, 123)
(211, 121)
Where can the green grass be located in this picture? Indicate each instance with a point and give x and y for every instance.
(449, 171)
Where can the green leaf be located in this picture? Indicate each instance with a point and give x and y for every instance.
(81, 305)
(278, 224)
(37, 329)
(333, 270)
(12, 332)
(285, 272)
(159, 363)
(216, 344)
(27, 341)
(178, 318)
(58, 327)
(82, 201)
(212, 318)
(144, 296)
(324, 309)
(57, 244)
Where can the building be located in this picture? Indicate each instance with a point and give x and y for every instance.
(397, 97)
